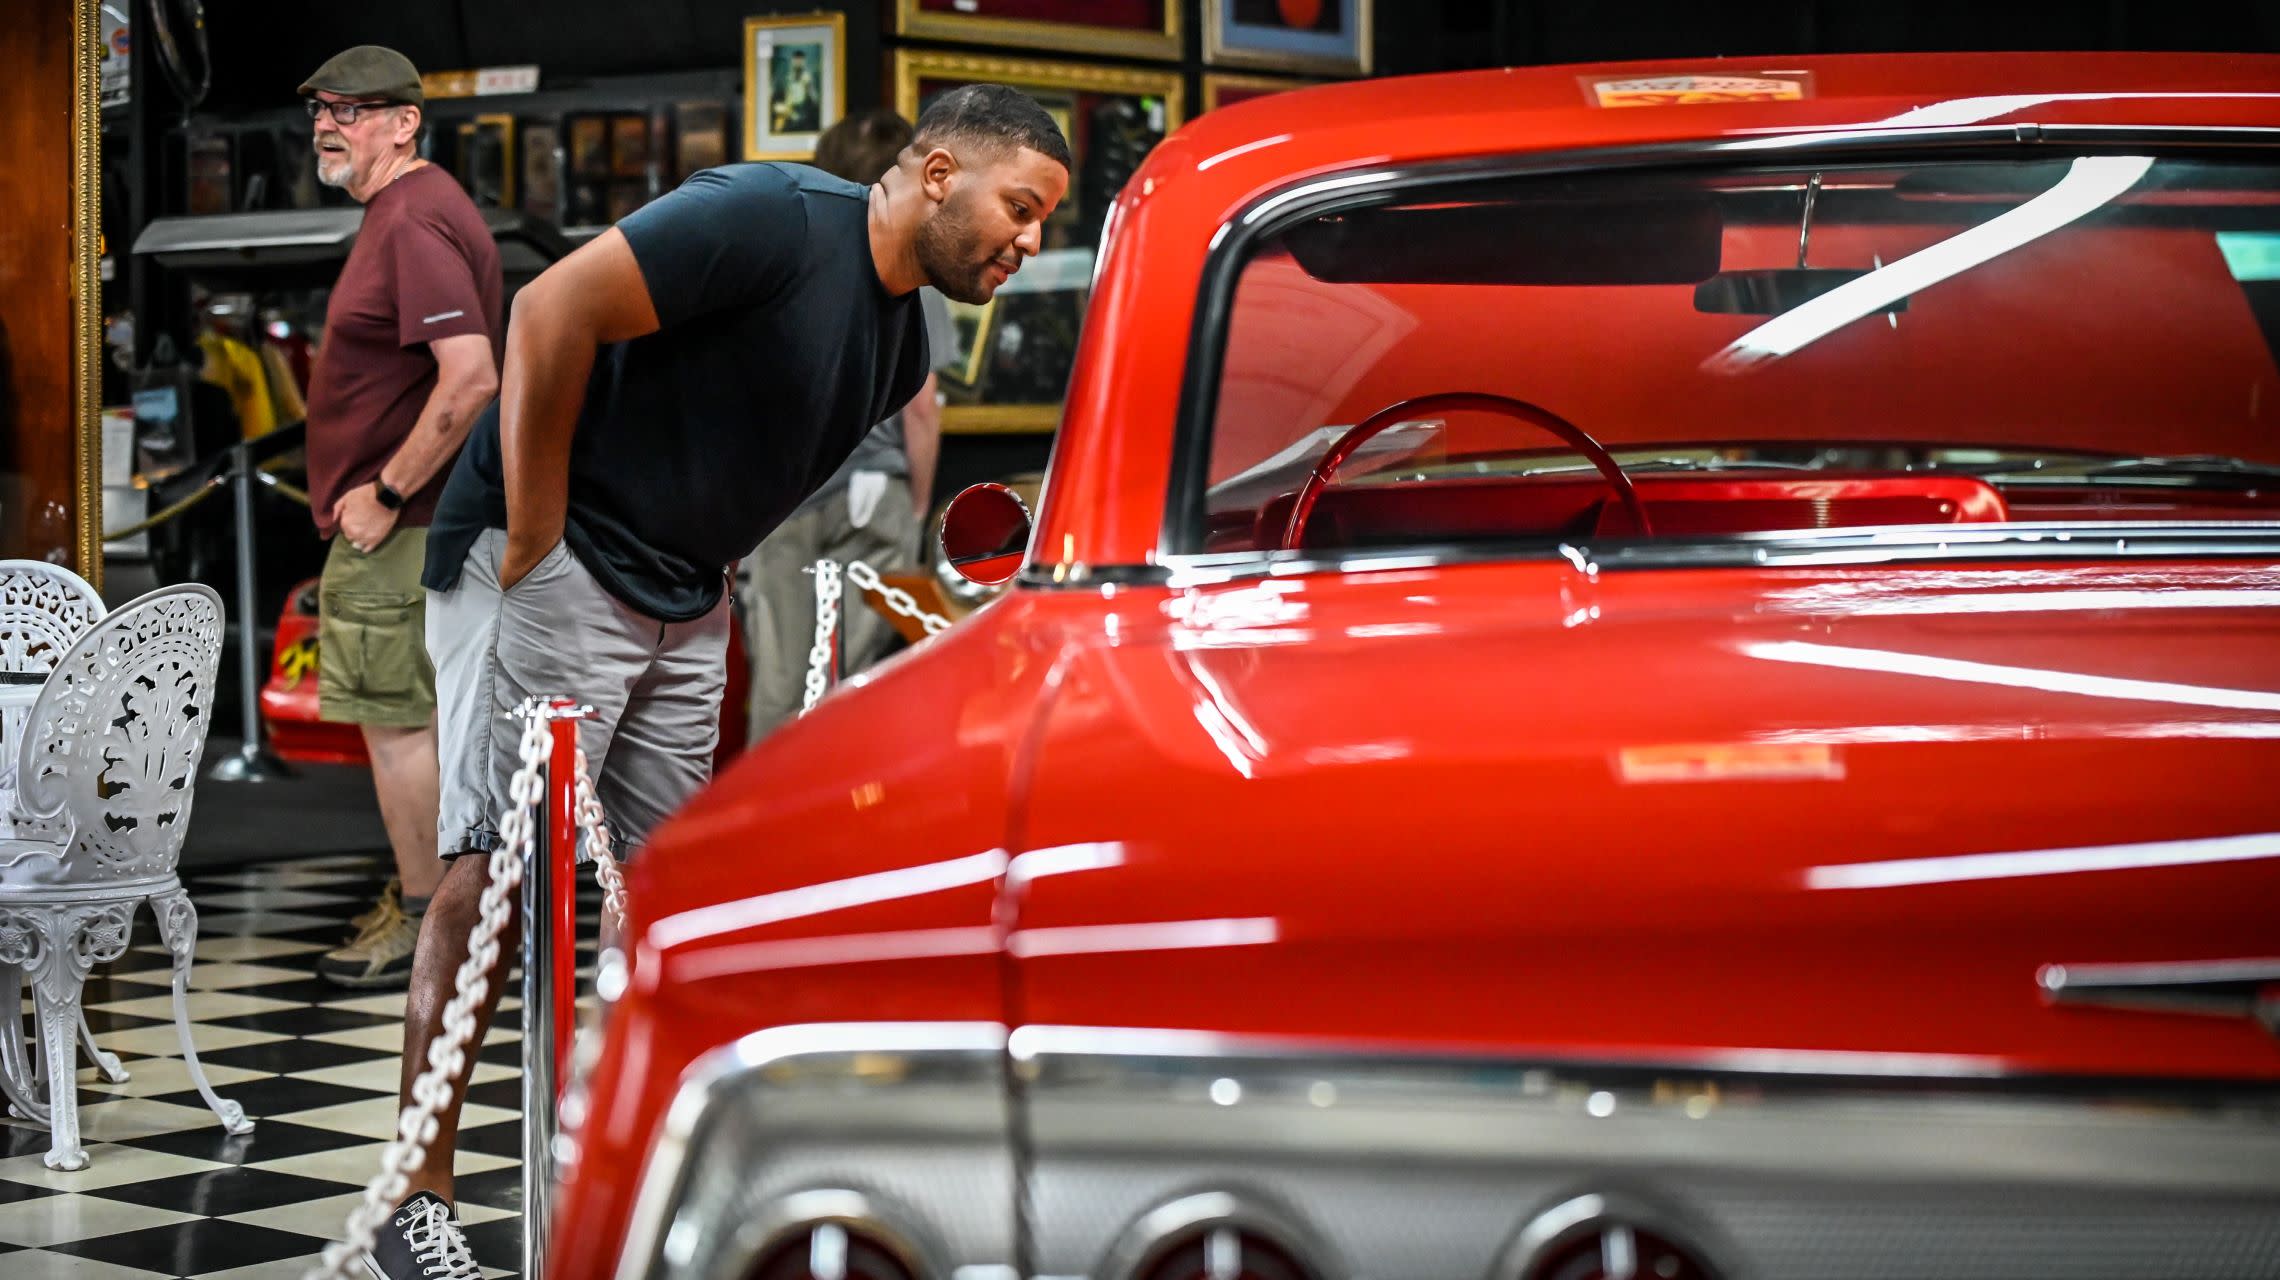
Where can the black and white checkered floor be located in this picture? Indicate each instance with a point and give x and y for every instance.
(166, 1193)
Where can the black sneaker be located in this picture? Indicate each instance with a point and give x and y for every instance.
(421, 1242)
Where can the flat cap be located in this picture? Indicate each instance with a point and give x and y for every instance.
(368, 71)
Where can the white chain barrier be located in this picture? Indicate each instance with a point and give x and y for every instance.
(827, 595)
(447, 1054)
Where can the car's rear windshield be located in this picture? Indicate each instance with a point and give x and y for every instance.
(1698, 353)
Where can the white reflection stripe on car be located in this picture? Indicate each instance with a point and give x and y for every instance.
(2043, 862)
(2047, 681)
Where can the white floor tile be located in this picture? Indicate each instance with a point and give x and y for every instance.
(241, 948)
(107, 1166)
(39, 1264)
(161, 1039)
(204, 1005)
(227, 975)
(376, 1117)
(245, 923)
(150, 1077)
(267, 899)
(389, 1004)
(384, 1075)
(385, 1037)
(324, 1218)
(64, 1219)
(356, 1165)
(131, 1118)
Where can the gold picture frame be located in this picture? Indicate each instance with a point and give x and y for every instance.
(1230, 41)
(1155, 103)
(796, 113)
(1218, 86)
(86, 302)
(912, 21)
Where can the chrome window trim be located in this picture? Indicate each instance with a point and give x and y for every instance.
(1323, 193)
(713, 1079)
(1876, 545)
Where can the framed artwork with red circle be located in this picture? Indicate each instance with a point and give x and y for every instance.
(1124, 28)
(1320, 37)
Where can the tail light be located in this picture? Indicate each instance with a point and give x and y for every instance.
(831, 1252)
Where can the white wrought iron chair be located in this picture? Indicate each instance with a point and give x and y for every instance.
(43, 608)
(106, 770)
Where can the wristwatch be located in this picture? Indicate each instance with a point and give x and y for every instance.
(389, 498)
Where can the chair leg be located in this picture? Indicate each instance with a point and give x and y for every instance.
(178, 925)
(19, 945)
(75, 940)
(107, 1063)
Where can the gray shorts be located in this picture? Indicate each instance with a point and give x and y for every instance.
(655, 688)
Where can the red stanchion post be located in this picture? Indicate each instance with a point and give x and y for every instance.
(562, 913)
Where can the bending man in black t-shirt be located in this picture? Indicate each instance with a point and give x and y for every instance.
(672, 390)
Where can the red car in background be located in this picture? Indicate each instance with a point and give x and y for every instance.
(1622, 671)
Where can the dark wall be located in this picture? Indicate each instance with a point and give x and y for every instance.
(262, 48)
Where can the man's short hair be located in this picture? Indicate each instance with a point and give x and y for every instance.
(864, 145)
(991, 116)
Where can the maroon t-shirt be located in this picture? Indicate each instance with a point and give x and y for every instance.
(423, 267)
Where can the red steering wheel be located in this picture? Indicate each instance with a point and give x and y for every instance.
(1448, 402)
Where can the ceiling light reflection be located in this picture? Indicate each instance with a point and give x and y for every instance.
(831, 895)
(2043, 862)
(2090, 182)
(1918, 664)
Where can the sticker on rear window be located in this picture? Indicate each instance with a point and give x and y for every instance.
(1695, 90)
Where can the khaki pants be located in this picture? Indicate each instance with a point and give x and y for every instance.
(372, 667)
(779, 598)
(654, 686)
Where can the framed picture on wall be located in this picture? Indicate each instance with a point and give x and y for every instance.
(540, 192)
(1016, 351)
(795, 83)
(1223, 90)
(700, 137)
(1125, 28)
(487, 160)
(1321, 37)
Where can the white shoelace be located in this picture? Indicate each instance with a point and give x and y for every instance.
(437, 1245)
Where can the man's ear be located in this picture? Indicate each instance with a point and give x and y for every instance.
(408, 123)
(937, 170)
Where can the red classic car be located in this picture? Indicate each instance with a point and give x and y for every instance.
(1663, 671)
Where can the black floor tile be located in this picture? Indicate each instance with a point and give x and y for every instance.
(309, 1020)
(142, 962)
(508, 1054)
(309, 990)
(17, 1192)
(497, 1243)
(270, 1140)
(497, 1189)
(104, 1020)
(219, 1192)
(276, 1095)
(193, 1248)
(287, 1056)
(503, 1138)
(498, 1093)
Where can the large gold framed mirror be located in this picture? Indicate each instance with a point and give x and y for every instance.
(50, 297)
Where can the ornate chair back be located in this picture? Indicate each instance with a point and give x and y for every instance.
(43, 608)
(109, 760)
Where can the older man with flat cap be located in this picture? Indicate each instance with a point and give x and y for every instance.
(409, 359)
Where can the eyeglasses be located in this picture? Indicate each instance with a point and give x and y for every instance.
(347, 112)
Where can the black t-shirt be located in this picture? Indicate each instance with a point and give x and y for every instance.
(777, 350)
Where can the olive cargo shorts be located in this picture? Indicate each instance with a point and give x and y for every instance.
(372, 661)
(655, 688)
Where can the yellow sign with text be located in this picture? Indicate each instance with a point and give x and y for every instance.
(1694, 90)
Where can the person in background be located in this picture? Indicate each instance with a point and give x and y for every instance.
(868, 510)
(410, 357)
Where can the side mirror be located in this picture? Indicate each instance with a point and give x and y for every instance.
(985, 533)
